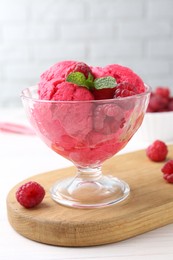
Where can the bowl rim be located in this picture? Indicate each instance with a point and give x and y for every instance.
(32, 88)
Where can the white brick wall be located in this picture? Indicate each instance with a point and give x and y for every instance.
(34, 34)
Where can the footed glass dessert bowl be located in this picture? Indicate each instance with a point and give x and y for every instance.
(87, 133)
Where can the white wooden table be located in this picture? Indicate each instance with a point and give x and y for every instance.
(22, 156)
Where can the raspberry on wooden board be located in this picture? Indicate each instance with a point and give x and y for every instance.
(30, 194)
(167, 170)
(157, 151)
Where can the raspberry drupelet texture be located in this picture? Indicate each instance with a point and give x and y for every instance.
(167, 170)
(30, 194)
(157, 151)
(83, 68)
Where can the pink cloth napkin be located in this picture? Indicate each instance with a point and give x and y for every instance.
(15, 128)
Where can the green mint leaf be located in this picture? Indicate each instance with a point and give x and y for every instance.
(90, 77)
(77, 78)
(90, 81)
(105, 82)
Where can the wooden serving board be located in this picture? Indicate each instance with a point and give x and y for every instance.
(149, 206)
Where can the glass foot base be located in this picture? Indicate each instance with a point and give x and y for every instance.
(78, 193)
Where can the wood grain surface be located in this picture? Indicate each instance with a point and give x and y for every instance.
(149, 206)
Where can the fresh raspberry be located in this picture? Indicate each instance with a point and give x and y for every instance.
(163, 92)
(157, 103)
(170, 105)
(168, 167)
(167, 170)
(157, 151)
(168, 177)
(30, 194)
(83, 68)
(125, 90)
(159, 100)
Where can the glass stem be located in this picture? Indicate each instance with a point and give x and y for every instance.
(89, 174)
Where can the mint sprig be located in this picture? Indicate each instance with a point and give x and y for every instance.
(79, 79)
(105, 82)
